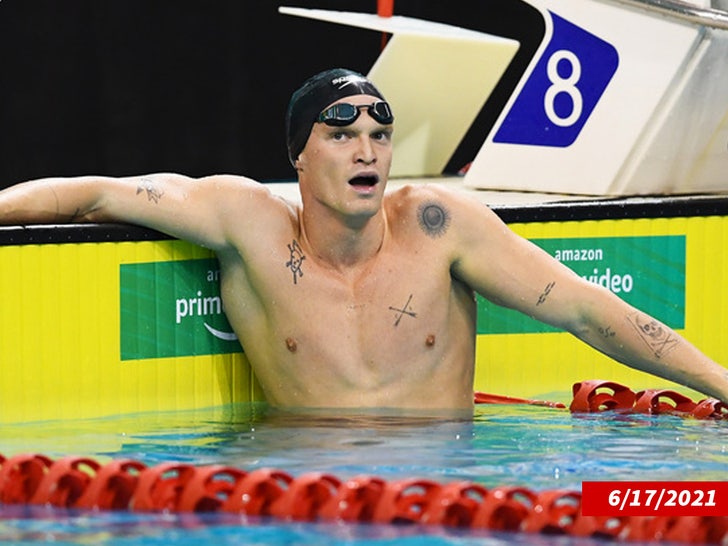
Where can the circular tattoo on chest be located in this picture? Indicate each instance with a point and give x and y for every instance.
(433, 218)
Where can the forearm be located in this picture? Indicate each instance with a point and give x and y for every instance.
(50, 200)
(641, 342)
(197, 210)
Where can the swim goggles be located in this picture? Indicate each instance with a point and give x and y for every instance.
(344, 113)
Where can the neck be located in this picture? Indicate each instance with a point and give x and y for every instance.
(343, 242)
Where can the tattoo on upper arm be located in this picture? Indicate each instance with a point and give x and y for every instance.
(148, 187)
(405, 310)
(658, 337)
(434, 219)
(296, 260)
(545, 293)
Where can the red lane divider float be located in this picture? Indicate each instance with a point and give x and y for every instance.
(599, 395)
(79, 482)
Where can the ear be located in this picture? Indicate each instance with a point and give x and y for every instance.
(299, 162)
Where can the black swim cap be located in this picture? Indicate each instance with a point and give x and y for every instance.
(309, 100)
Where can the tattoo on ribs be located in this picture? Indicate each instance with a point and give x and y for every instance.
(656, 336)
(433, 218)
(406, 310)
(545, 293)
(148, 187)
(296, 260)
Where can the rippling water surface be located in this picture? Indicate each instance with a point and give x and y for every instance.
(539, 448)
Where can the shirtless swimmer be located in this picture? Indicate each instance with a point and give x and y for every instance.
(357, 298)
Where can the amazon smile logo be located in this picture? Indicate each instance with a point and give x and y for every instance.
(171, 309)
(227, 336)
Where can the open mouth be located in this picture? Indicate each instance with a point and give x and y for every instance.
(364, 181)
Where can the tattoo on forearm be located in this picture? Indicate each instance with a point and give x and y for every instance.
(296, 260)
(545, 293)
(434, 219)
(147, 186)
(406, 310)
(660, 339)
(606, 332)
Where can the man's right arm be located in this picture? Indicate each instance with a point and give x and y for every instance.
(193, 209)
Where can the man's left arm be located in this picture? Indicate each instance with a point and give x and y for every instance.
(513, 272)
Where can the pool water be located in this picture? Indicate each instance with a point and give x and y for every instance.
(536, 447)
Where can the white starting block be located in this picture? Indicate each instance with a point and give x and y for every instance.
(622, 97)
(436, 77)
(644, 107)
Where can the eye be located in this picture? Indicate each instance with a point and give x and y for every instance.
(382, 136)
(339, 135)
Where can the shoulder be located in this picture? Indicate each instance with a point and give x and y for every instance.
(418, 195)
(232, 185)
(436, 209)
(238, 192)
(245, 210)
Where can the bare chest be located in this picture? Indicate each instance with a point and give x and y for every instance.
(370, 313)
(370, 334)
(366, 308)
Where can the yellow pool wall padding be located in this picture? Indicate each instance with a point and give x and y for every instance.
(59, 338)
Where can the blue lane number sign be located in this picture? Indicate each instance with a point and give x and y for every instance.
(563, 89)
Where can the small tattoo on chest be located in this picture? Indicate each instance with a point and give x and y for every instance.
(296, 260)
(405, 310)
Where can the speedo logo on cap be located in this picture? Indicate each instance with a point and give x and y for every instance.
(343, 81)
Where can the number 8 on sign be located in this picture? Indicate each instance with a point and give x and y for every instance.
(562, 90)
(563, 85)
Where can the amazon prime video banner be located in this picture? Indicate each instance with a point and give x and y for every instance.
(172, 309)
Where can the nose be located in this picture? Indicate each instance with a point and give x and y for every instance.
(365, 151)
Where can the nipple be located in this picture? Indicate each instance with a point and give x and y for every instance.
(291, 344)
(430, 340)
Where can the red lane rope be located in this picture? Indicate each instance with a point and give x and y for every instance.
(598, 395)
(80, 482)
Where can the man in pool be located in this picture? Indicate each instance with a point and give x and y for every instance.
(359, 298)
